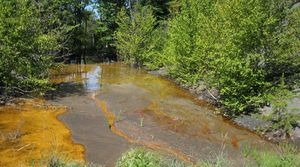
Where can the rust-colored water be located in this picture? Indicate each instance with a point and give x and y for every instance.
(111, 118)
(143, 109)
(31, 132)
(151, 111)
(155, 110)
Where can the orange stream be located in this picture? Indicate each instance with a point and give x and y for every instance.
(111, 118)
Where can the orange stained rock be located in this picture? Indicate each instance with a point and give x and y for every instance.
(31, 132)
(152, 145)
(234, 141)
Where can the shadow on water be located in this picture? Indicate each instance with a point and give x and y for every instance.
(64, 90)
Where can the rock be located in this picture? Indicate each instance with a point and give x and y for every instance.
(200, 89)
(159, 72)
(201, 97)
(251, 122)
(295, 133)
(295, 136)
(213, 93)
(266, 111)
(163, 71)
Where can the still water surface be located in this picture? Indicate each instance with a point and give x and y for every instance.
(154, 112)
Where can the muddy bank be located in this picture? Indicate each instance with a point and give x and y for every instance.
(253, 122)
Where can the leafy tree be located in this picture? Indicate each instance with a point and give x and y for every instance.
(239, 47)
(134, 33)
(106, 26)
(26, 46)
(160, 7)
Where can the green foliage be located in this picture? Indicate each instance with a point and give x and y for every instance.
(218, 162)
(55, 161)
(134, 33)
(154, 58)
(239, 47)
(106, 26)
(139, 158)
(35, 35)
(282, 118)
(286, 157)
(26, 47)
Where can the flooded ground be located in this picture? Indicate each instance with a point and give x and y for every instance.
(31, 133)
(112, 108)
(143, 109)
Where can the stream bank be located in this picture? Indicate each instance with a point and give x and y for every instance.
(253, 122)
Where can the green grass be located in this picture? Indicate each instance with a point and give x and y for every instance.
(285, 156)
(60, 161)
(139, 157)
(220, 161)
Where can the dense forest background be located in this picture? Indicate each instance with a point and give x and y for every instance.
(246, 50)
(38, 34)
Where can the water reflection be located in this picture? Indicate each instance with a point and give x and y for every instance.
(75, 80)
(92, 79)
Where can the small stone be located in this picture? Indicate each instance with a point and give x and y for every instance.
(215, 92)
(200, 89)
(266, 111)
(296, 133)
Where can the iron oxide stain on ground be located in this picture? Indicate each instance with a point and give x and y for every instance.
(118, 107)
(31, 132)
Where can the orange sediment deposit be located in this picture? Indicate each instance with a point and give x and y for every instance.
(152, 145)
(234, 141)
(31, 132)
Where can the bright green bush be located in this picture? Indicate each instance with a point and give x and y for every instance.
(240, 47)
(281, 118)
(26, 47)
(139, 158)
(133, 36)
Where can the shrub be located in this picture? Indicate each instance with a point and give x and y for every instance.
(139, 157)
(133, 36)
(286, 157)
(240, 47)
(282, 118)
(55, 161)
(27, 47)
